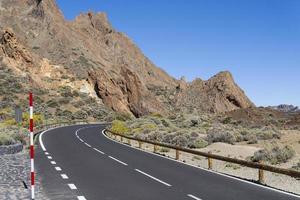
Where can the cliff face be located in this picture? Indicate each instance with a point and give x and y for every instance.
(91, 51)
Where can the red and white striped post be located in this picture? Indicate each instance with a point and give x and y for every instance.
(31, 144)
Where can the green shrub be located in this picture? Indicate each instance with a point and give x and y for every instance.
(168, 138)
(233, 166)
(66, 91)
(9, 122)
(64, 100)
(227, 120)
(252, 139)
(64, 113)
(38, 119)
(268, 135)
(6, 139)
(275, 156)
(180, 140)
(119, 127)
(166, 123)
(20, 138)
(220, 136)
(158, 115)
(122, 116)
(200, 143)
(52, 103)
(81, 114)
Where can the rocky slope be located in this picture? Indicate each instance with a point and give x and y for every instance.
(89, 56)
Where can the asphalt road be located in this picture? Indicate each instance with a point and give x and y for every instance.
(79, 162)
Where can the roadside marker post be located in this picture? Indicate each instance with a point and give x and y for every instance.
(31, 144)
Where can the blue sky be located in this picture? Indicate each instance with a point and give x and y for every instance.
(257, 40)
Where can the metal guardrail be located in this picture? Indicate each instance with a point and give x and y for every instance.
(260, 166)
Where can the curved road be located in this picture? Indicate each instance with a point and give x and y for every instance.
(79, 162)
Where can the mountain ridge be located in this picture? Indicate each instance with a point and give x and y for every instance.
(89, 50)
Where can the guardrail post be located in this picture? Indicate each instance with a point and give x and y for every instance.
(209, 160)
(154, 148)
(177, 154)
(121, 138)
(140, 144)
(261, 175)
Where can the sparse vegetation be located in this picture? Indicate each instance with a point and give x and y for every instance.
(119, 127)
(233, 166)
(274, 156)
(220, 136)
(297, 166)
(6, 139)
(164, 150)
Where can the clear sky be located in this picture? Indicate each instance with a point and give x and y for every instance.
(257, 40)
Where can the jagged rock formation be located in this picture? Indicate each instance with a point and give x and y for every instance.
(11, 48)
(91, 52)
(218, 94)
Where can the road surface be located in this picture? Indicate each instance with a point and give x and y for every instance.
(79, 162)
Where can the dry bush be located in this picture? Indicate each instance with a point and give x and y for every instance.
(274, 156)
(297, 166)
(215, 135)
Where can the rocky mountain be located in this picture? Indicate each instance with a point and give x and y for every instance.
(285, 108)
(89, 57)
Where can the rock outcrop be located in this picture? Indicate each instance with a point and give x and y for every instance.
(125, 94)
(10, 47)
(218, 94)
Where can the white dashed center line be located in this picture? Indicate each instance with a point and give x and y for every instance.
(57, 168)
(53, 162)
(98, 151)
(46, 153)
(194, 197)
(72, 186)
(81, 198)
(158, 180)
(49, 157)
(117, 160)
(64, 176)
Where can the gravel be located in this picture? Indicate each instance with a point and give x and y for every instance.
(14, 169)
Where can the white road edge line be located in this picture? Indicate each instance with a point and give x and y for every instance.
(57, 168)
(87, 144)
(213, 172)
(41, 141)
(98, 151)
(64, 176)
(81, 198)
(41, 134)
(193, 197)
(72, 186)
(117, 160)
(158, 180)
